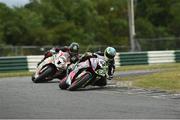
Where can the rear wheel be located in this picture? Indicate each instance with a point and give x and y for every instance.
(78, 83)
(47, 72)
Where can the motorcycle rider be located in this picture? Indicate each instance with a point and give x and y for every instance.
(108, 56)
(72, 49)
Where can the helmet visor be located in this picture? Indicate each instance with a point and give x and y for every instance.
(109, 56)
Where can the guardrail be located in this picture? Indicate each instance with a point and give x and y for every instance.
(121, 59)
(149, 57)
(13, 63)
(32, 61)
(133, 58)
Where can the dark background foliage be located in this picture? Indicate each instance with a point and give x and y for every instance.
(91, 22)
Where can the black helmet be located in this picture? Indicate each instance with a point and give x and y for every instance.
(74, 48)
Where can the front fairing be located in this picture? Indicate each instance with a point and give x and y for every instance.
(49, 60)
(76, 71)
(59, 61)
(42, 66)
(62, 60)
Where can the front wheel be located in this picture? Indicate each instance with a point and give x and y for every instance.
(42, 77)
(83, 80)
(63, 85)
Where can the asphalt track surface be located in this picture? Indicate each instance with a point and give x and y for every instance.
(20, 98)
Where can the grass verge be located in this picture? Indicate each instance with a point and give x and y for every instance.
(148, 67)
(15, 74)
(168, 79)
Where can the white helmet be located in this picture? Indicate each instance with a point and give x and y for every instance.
(109, 53)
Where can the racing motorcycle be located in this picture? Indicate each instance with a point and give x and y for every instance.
(85, 73)
(52, 67)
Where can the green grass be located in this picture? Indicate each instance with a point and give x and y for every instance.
(168, 79)
(15, 74)
(148, 67)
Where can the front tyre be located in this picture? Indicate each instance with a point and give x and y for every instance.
(78, 83)
(42, 77)
(63, 85)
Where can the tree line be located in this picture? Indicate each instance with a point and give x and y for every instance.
(90, 22)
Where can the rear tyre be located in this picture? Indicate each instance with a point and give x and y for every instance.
(78, 83)
(41, 78)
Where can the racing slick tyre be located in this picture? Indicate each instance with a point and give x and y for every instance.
(42, 77)
(78, 83)
(63, 85)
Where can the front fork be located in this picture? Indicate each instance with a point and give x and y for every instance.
(70, 78)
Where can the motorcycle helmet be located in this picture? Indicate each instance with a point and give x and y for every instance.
(74, 48)
(109, 53)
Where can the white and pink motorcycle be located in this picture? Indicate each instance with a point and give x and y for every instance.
(85, 73)
(52, 67)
